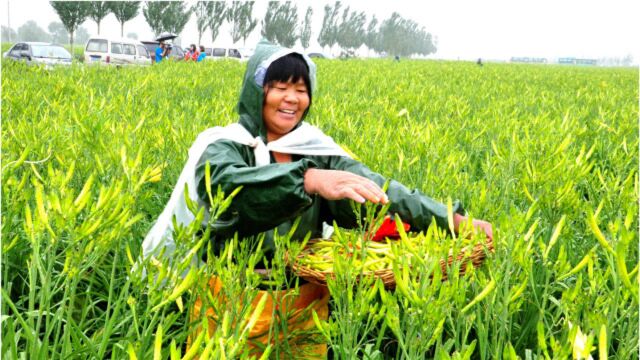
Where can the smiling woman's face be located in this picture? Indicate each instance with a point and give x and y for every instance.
(284, 105)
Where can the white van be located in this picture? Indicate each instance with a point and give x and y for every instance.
(229, 53)
(116, 52)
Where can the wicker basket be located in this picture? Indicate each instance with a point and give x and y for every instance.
(476, 257)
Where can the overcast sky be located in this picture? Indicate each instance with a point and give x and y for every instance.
(464, 29)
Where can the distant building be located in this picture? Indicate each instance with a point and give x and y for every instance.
(576, 61)
(527, 59)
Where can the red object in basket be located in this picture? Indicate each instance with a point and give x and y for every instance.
(388, 229)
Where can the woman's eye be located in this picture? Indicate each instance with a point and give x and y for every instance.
(302, 91)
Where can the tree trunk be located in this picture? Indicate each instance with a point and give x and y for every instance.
(98, 27)
(199, 38)
(122, 29)
(71, 43)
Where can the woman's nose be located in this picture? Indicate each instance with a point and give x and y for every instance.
(290, 96)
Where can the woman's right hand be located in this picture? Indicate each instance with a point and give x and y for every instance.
(338, 185)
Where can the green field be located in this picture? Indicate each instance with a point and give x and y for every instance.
(548, 154)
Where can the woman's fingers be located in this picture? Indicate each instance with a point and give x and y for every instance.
(488, 229)
(484, 227)
(350, 193)
(367, 193)
(356, 192)
(460, 226)
(376, 191)
(368, 189)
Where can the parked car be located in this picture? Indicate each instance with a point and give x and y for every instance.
(47, 54)
(230, 53)
(116, 52)
(176, 54)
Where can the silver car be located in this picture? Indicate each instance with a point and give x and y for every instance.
(39, 53)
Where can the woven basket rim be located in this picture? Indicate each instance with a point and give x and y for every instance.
(476, 258)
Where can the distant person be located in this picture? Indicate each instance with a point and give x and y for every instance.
(397, 58)
(479, 62)
(192, 54)
(203, 54)
(162, 51)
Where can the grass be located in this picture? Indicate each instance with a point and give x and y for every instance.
(548, 154)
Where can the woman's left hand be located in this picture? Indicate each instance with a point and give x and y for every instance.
(477, 224)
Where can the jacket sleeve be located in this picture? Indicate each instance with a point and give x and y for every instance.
(413, 207)
(270, 195)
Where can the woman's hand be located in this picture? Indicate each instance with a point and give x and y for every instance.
(338, 185)
(478, 225)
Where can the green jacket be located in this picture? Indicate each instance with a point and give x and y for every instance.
(273, 195)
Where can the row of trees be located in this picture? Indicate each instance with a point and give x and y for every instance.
(74, 13)
(341, 26)
(162, 16)
(30, 31)
(395, 35)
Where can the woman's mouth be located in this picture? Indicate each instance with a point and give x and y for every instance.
(287, 113)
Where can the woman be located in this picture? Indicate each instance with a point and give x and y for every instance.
(192, 54)
(288, 169)
(276, 96)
